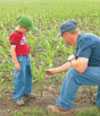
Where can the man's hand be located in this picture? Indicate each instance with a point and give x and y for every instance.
(17, 65)
(50, 71)
(80, 64)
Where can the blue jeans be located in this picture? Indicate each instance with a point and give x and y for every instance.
(73, 80)
(22, 79)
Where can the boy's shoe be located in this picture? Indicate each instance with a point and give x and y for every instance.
(30, 96)
(20, 102)
(53, 108)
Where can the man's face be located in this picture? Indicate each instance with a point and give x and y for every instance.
(69, 38)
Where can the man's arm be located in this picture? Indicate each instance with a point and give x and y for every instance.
(59, 69)
(79, 65)
(14, 58)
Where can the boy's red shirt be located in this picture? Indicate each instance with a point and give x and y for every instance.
(19, 40)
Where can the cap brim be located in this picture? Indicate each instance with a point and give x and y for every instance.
(34, 29)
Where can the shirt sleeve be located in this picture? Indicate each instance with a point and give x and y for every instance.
(84, 48)
(14, 38)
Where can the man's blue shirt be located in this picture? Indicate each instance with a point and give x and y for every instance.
(88, 46)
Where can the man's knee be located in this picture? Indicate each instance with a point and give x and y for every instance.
(74, 75)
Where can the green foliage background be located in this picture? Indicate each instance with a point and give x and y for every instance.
(47, 49)
(47, 15)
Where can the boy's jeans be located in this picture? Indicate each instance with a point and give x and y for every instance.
(73, 80)
(22, 79)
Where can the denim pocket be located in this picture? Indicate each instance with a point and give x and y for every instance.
(20, 59)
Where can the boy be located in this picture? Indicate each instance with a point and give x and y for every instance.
(20, 56)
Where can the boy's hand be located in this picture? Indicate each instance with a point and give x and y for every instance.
(17, 65)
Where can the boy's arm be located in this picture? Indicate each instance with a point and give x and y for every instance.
(14, 58)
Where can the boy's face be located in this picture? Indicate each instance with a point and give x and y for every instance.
(24, 30)
(21, 29)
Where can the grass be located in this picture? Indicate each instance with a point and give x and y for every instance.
(92, 111)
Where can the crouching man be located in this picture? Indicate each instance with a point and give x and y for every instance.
(82, 69)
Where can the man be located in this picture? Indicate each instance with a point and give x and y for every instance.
(82, 69)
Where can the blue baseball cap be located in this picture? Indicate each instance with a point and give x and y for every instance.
(68, 26)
